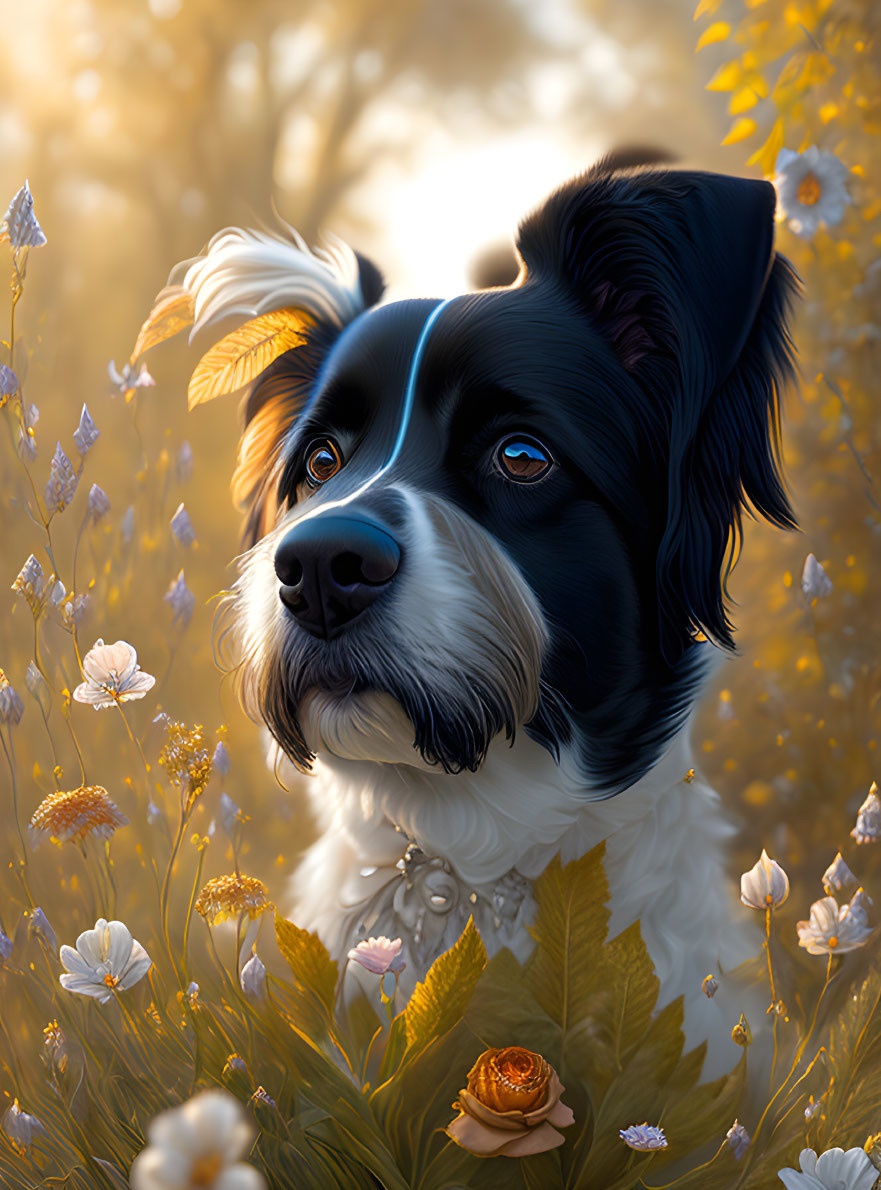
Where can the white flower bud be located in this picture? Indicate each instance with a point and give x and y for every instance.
(815, 582)
(253, 979)
(764, 886)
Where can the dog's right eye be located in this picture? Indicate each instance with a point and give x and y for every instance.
(323, 460)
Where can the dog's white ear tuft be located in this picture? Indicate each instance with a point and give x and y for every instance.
(249, 273)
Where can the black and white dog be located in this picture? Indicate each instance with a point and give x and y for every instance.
(486, 545)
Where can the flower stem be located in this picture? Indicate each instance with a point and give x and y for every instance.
(773, 1008)
(163, 897)
(137, 744)
(792, 1069)
(189, 917)
(10, 760)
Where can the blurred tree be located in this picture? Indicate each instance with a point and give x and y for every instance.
(640, 79)
(159, 126)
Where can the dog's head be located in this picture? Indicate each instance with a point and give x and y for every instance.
(509, 510)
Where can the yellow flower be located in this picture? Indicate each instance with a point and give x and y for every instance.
(230, 896)
(186, 759)
(509, 1106)
(88, 810)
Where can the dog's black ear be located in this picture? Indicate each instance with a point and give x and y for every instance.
(677, 272)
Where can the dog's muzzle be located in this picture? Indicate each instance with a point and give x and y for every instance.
(332, 568)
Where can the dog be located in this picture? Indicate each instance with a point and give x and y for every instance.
(486, 547)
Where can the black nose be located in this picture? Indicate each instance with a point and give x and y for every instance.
(332, 567)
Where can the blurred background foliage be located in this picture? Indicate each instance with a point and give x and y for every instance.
(419, 132)
(143, 130)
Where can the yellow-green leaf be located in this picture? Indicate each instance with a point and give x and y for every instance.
(172, 312)
(718, 31)
(740, 130)
(439, 1001)
(726, 77)
(766, 156)
(245, 353)
(707, 6)
(313, 969)
(570, 927)
(504, 1012)
(742, 101)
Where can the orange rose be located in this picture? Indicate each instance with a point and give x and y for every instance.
(509, 1106)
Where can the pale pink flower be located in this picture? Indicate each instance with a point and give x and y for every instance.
(379, 955)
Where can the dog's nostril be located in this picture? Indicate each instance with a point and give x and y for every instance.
(294, 573)
(347, 569)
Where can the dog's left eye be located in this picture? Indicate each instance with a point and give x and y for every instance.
(523, 459)
(323, 460)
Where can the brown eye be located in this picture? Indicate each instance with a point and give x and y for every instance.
(322, 461)
(523, 459)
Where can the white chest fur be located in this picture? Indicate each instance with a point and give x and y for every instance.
(481, 838)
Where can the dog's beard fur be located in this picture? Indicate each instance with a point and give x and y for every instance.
(449, 659)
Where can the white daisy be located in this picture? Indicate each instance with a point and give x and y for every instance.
(198, 1144)
(107, 959)
(112, 675)
(833, 1170)
(834, 928)
(811, 189)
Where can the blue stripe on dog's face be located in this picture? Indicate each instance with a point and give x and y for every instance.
(524, 497)
(510, 367)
